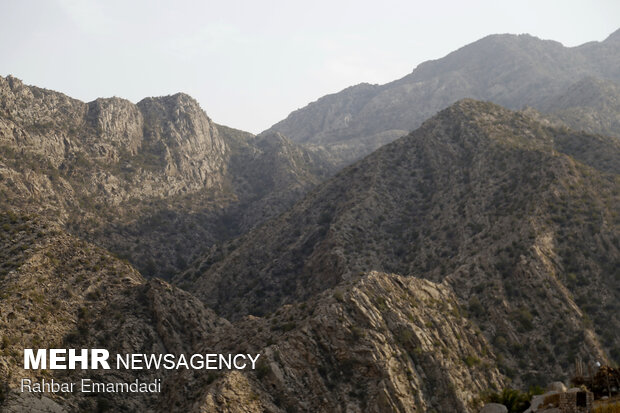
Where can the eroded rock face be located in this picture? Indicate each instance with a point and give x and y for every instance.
(110, 170)
(192, 146)
(26, 402)
(374, 343)
(118, 125)
(160, 147)
(155, 182)
(385, 343)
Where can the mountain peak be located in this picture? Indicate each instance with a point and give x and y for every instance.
(177, 100)
(468, 105)
(12, 81)
(613, 38)
(481, 112)
(475, 124)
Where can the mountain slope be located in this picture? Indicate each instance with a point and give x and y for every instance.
(377, 342)
(513, 71)
(155, 182)
(518, 217)
(591, 104)
(59, 291)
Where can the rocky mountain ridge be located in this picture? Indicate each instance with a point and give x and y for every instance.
(477, 252)
(132, 177)
(511, 70)
(368, 345)
(518, 217)
(171, 133)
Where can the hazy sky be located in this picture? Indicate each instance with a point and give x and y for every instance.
(250, 63)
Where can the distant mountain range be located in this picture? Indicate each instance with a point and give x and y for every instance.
(510, 70)
(473, 247)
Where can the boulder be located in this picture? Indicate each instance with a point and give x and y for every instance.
(538, 400)
(494, 408)
(556, 386)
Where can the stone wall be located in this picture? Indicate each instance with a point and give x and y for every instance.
(576, 402)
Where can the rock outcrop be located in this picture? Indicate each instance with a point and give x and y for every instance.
(375, 342)
(132, 178)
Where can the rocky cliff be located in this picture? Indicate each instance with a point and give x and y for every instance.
(375, 343)
(136, 178)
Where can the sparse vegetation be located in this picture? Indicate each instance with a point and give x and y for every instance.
(515, 400)
(483, 227)
(613, 407)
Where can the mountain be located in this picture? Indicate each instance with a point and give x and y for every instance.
(59, 291)
(480, 251)
(511, 70)
(369, 344)
(591, 104)
(379, 342)
(155, 182)
(517, 217)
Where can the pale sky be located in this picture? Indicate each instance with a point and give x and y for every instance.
(250, 63)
